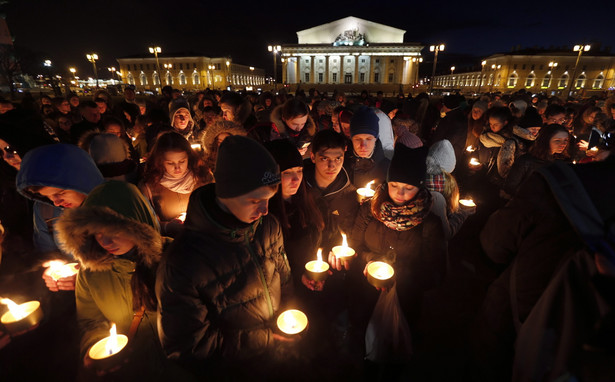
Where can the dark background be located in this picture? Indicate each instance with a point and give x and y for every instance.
(65, 30)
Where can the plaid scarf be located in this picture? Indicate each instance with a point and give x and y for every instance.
(434, 182)
(403, 218)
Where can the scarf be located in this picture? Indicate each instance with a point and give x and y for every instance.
(435, 182)
(183, 185)
(411, 214)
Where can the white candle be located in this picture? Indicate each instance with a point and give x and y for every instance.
(474, 162)
(292, 321)
(108, 346)
(343, 251)
(467, 202)
(470, 149)
(366, 192)
(317, 269)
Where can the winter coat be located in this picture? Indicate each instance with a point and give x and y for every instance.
(498, 152)
(221, 284)
(454, 127)
(277, 129)
(338, 204)
(62, 166)
(451, 221)
(363, 170)
(208, 140)
(103, 290)
(520, 171)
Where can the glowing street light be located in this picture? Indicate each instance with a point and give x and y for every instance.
(113, 71)
(480, 78)
(92, 57)
(436, 49)
(155, 50)
(274, 49)
(452, 69)
(580, 49)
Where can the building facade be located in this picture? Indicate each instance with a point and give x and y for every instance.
(188, 72)
(547, 72)
(351, 51)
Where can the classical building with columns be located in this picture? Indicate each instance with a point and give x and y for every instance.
(188, 71)
(354, 52)
(554, 72)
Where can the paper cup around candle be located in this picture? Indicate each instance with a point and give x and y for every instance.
(317, 270)
(292, 322)
(467, 202)
(102, 359)
(380, 274)
(364, 193)
(30, 317)
(346, 254)
(63, 270)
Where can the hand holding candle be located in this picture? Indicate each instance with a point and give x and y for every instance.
(106, 354)
(366, 192)
(341, 255)
(379, 274)
(21, 317)
(317, 270)
(292, 322)
(59, 275)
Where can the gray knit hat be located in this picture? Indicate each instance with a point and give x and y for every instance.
(243, 165)
(441, 154)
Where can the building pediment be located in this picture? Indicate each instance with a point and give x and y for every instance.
(351, 31)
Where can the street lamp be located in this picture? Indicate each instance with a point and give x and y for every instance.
(580, 49)
(480, 78)
(211, 77)
(274, 49)
(228, 73)
(92, 57)
(452, 69)
(112, 70)
(166, 77)
(435, 49)
(73, 70)
(155, 50)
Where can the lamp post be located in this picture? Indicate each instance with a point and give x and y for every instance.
(211, 77)
(580, 49)
(436, 49)
(155, 50)
(112, 70)
(92, 57)
(228, 73)
(73, 70)
(494, 67)
(167, 67)
(480, 78)
(274, 49)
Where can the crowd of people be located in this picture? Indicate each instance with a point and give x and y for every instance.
(192, 217)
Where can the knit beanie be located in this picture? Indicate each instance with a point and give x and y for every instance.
(441, 156)
(409, 140)
(483, 105)
(107, 148)
(451, 101)
(364, 121)
(243, 165)
(285, 153)
(408, 165)
(520, 105)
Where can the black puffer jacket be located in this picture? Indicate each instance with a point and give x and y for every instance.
(364, 170)
(219, 288)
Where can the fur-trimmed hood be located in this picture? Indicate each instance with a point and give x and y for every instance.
(113, 207)
(523, 133)
(219, 127)
(309, 130)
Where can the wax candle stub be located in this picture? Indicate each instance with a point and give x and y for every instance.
(470, 149)
(365, 192)
(108, 346)
(292, 321)
(467, 202)
(21, 317)
(317, 270)
(474, 162)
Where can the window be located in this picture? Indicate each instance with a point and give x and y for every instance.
(194, 65)
(391, 75)
(532, 67)
(156, 79)
(348, 78)
(482, 83)
(563, 81)
(143, 79)
(363, 61)
(134, 66)
(490, 80)
(529, 81)
(147, 66)
(307, 77)
(181, 66)
(320, 77)
(581, 81)
(512, 80)
(362, 77)
(169, 79)
(218, 66)
(334, 77)
(131, 79)
(541, 66)
(392, 61)
(546, 82)
(376, 77)
(196, 79)
(377, 61)
(498, 80)
(320, 60)
(141, 66)
(598, 82)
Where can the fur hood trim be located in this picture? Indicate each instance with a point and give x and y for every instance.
(219, 127)
(276, 119)
(490, 139)
(523, 133)
(76, 228)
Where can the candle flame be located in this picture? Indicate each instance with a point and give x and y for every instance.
(112, 347)
(474, 162)
(59, 269)
(344, 241)
(470, 149)
(319, 256)
(195, 146)
(182, 217)
(289, 322)
(369, 185)
(17, 311)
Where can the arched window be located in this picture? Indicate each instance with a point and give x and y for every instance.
(143, 79)
(546, 82)
(512, 80)
(156, 79)
(182, 79)
(169, 79)
(196, 79)
(498, 80)
(563, 81)
(131, 79)
(598, 82)
(581, 81)
(490, 80)
(482, 83)
(529, 81)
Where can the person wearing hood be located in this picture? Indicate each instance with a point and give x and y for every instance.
(57, 177)
(111, 155)
(213, 137)
(116, 238)
(477, 120)
(366, 161)
(181, 120)
(290, 121)
(225, 279)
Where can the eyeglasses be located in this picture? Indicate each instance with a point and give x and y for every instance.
(8, 151)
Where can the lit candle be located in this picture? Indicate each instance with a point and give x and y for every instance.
(182, 217)
(470, 149)
(474, 162)
(196, 146)
(365, 192)
(21, 317)
(58, 269)
(380, 274)
(594, 149)
(103, 353)
(317, 270)
(467, 202)
(292, 321)
(344, 252)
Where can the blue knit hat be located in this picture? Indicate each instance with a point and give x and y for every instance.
(364, 121)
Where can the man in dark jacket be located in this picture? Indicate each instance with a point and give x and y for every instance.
(223, 280)
(91, 120)
(453, 126)
(365, 161)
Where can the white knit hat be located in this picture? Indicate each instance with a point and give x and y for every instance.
(441, 157)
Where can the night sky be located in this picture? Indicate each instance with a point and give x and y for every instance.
(65, 30)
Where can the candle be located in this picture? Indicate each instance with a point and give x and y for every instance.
(467, 202)
(58, 269)
(474, 162)
(182, 217)
(292, 321)
(594, 149)
(380, 274)
(470, 149)
(317, 270)
(105, 353)
(344, 252)
(21, 317)
(365, 192)
(196, 146)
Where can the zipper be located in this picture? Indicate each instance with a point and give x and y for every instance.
(261, 275)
